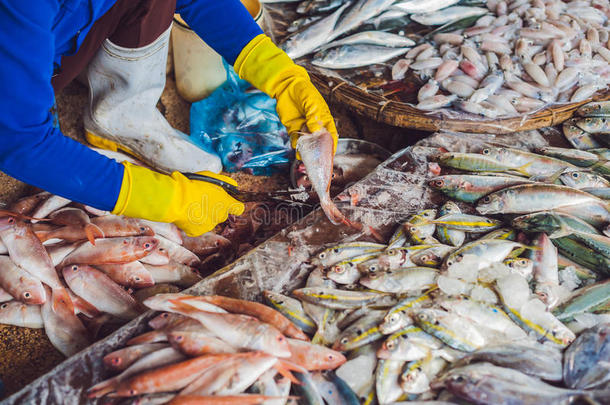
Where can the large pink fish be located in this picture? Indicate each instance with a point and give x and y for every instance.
(27, 252)
(316, 152)
(240, 331)
(98, 289)
(112, 250)
(110, 226)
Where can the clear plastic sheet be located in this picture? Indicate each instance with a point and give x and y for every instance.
(396, 189)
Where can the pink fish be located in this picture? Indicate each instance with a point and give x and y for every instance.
(20, 284)
(132, 274)
(62, 327)
(316, 152)
(97, 288)
(112, 250)
(19, 314)
(27, 252)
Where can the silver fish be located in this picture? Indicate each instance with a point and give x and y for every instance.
(352, 56)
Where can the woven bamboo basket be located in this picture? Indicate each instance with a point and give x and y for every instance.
(350, 88)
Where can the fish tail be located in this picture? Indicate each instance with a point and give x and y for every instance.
(101, 389)
(285, 367)
(93, 231)
(61, 298)
(522, 169)
(599, 163)
(318, 339)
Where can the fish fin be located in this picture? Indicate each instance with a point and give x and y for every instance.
(93, 231)
(284, 368)
(44, 236)
(61, 297)
(147, 337)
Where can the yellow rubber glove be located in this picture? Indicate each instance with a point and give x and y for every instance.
(194, 206)
(299, 103)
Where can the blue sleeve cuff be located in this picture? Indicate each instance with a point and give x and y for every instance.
(62, 166)
(226, 25)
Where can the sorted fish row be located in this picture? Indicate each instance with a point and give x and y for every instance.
(495, 59)
(215, 349)
(69, 269)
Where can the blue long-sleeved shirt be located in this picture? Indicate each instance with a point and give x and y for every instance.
(33, 38)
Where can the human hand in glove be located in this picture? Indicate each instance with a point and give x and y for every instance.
(299, 103)
(194, 206)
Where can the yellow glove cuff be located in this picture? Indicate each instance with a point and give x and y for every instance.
(145, 194)
(194, 206)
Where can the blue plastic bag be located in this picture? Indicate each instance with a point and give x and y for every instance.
(242, 127)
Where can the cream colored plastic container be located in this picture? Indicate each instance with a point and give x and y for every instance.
(197, 67)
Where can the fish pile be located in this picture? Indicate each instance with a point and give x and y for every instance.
(211, 350)
(64, 266)
(589, 129)
(463, 301)
(493, 59)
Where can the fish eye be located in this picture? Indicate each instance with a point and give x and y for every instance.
(26, 295)
(344, 340)
(338, 269)
(459, 378)
(74, 268)
(142, 229)
(390, 344)
(436, 322)
(486, 199)
(330, 357)
(11, 220)
(179, 338)
(486, 151)
(125, 242)
(136, 278)
(322, 255)
(336, 250)
(575, 175)
(373, 268)
(394, 318)
(280, 338)
(523, 262)
(4, 305)
(133, 392)
(116, 361)
(392, 252)
(165, 315)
